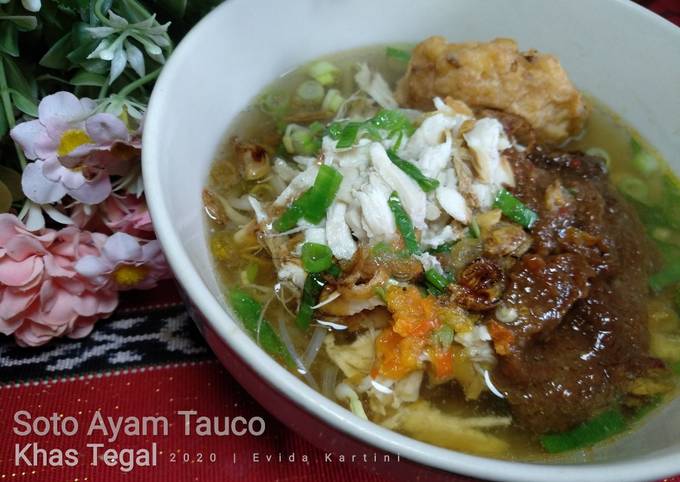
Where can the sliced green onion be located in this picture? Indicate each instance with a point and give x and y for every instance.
(599, 152)
(380, 292)
(427, 184)
(398, 54)
(316, 257)
(274, 103)
(634, 188)
(668, 276)
(648, 407)
(436, 279)
(372, 131)
(474, 229)
(675, 368)
(442, 248)
(400, 138)
(334, 129)
(314, 202)
(300, 140)
(305, 143)
(323, 72)
(310, 92)
(348, 135)
(444, 336)
(320, 196)
(384, 249)
(249, 312)
(334, 270)
(661, 234)
(404, 224)
(311, 291)
(381, 248)
(316, 128)
(332, 101)
(588, 433)
(643, 161)
(394, 122)
(289, 219)
(251, 272)
(514, 209)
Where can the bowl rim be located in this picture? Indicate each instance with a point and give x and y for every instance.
(314, 403)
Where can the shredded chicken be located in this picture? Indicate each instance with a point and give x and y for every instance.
(356, 298)
(354, 359)
(429, 424)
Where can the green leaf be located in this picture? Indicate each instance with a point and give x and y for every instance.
(72, 4)
(80, 53)
(50, 15)
(175, 8)
(23, 22)
(84, 77)
(80, 33)
(5, 198)
(23, 103)
(132, 10)
(16, 78)
(4, 127)
(12, 180)
(96, 66)
(9, 39)
(56, 56)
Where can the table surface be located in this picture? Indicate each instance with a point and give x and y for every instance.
(149, 360)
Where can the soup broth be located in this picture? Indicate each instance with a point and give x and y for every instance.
(242, 260)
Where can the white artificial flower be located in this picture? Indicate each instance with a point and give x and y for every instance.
(117, 44)
(32, 216)
(30, 5)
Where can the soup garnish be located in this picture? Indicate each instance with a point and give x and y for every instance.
(480, 258)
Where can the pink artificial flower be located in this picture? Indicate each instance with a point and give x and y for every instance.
(41, 294)
(127, 214)
(74, 149)
(83, 215)
(112, 146)
(125, 263)
(60, 128)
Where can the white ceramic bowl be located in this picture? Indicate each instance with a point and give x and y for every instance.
(622, 54)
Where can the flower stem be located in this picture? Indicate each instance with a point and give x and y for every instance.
(104, 90)
(132, 86)
(44, 77)
(99, 14)
(9, 109)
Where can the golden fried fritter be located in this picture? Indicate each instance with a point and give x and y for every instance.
(496, 75)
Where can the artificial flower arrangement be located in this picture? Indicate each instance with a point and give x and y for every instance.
(74, 226)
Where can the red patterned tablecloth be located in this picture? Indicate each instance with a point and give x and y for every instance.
(150, 361)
